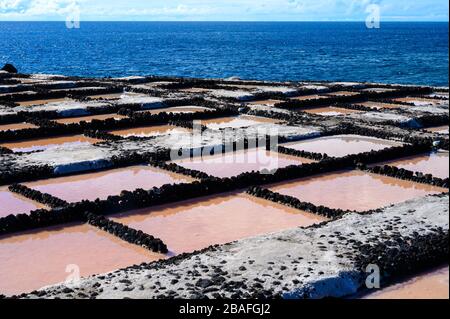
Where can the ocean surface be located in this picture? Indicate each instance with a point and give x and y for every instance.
(412, 53)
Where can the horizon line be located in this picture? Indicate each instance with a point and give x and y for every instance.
(237, 21)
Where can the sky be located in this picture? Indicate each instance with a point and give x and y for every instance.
(223, 10)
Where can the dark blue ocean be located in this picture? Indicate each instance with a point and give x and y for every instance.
(415, 53)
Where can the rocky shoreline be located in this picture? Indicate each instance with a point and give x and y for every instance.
(104, 124)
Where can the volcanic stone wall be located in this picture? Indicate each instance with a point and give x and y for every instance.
(152, 151)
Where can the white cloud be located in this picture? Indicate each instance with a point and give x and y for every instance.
(35, 8)
(181, 9)
(9, 4)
